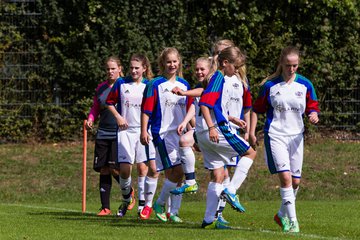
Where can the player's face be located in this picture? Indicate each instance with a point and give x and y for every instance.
(290, 65)
(113, 70)
(231, 69)
(201, 70)
(171, 64)
(136, 70)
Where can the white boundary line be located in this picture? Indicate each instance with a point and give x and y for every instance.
(188, 222)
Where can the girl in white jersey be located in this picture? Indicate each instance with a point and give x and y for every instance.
(285, 96)
(202, 69)
(220, 143)
(127, 95)
(166, 111)
(105, 143)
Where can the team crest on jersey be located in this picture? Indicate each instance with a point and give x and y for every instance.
(298, 94)
(236, 85)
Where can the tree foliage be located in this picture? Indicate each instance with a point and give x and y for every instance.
(75, 37)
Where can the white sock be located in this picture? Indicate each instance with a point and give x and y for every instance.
(125, 187)
(288, 201)
(212, 199)
(222, 202)
(141, 188)
(240, 174)
(187, 158)
(175, 204)
(165, 191)
(150, 189)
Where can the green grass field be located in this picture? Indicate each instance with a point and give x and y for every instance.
(40, 192)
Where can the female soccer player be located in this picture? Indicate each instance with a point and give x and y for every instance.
(127, 93)
(285, 96)
(166, 111)
(220, 143)
(105, 143)
(202, 68)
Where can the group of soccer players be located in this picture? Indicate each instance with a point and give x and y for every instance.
(157, 122)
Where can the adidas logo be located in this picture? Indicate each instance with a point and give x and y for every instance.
(149, 193)
(287, 203)
(166, 90)
(127, 91)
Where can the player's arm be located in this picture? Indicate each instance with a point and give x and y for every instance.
(121, 121)
(144, 135)
(252, 134)
(189, 116)
(213, 134)
(196, 92)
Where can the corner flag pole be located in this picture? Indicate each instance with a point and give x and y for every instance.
(84, 168)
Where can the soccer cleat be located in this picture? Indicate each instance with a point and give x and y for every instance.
(174, 218)
(123, 209)
(222, 220)
(232, 199)
(214, 225)
(160, 212)
(104, 212)
(283, 222)
(185, 189)
(294, 227)
(145, 213)
(132, 201)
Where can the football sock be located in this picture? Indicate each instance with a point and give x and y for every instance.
(175, 203)
(187, 158)
(150, 189)
(240, 173)
(141, 188)
(125, 185)
(222, 202)
(105, 189)
(288, 202)
(165, 191)
(212, 199)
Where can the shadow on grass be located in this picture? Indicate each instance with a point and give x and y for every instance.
(112, 220)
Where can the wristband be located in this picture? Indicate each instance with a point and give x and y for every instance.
(211, 127)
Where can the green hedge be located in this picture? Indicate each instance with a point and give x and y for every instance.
(75, 37)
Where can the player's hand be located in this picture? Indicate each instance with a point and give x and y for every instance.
(238, 122)
(213, 135)
(177, 91)
(253, 141)
(122, 123)
(89, 124)
(313, 117)
(181, 129)
(145, 138)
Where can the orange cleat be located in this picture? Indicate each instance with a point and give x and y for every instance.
(132, 201)
(104, 212)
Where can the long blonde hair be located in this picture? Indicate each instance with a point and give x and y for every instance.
(143, 59)
(284, 53)
(162, 59)
(234, 56)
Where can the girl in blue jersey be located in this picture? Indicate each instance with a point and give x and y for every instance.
(105, 143)
(166, 111)
(127, 95)
(285, 96)
(220, 144)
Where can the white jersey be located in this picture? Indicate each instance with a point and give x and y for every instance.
(285, 104)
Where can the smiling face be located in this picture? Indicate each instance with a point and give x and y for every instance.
(202, 69)
(171, 64)
(136, 70)
(113, 70)
(289, 66)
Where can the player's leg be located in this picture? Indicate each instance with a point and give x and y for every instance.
(105, 182)
(142, 170)
(187, 158)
